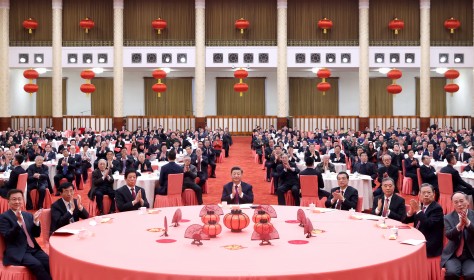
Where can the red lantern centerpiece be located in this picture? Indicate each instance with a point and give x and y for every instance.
(236, 220)
(159, 88)
(30, 88)
(159, 24)
(452, 24)
(325, 24)
(394, 75)
(87, 88)
(323, 74)
(396, 25)
(261, 214)
(31, 75)
(394, 89)
(210, 216)
(30, 24)
(264, 229)
(212, 228)
(87, 24)
(242, 24)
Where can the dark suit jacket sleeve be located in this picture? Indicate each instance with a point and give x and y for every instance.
(320, 181)
(459, 181)
(426, 174)
(226, 192)
(59, 217)
(450, 229)
(247, 194)
(397, 209)
(145, 201)
(121, 199)
(8, 231)
(328, 203)
(433, 220)
(351, 201)
(80, 214)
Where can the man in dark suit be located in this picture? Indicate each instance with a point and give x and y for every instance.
(457, 256)
(343, 197)
(15, 173)
(337, 156)
(48, 154)
(143, 165)
(125, 161)
(268, 161)
(386, 171)
(65, 169)
(200, 161)
(442, 152)
(111, 164)
(38, 178)
(365, 167)
(170, 168)
(102, 184)
(209, 152)
(78, 163)
(428, 218)
(19, 230)
(459, 185)
(237, 191)
(428, 175)
(389, 204)
(67, 209)
(288, 180)
(411, 166)
(102, 151)
(190, 174)
(130, 197)
(311, 171)
(462, 156)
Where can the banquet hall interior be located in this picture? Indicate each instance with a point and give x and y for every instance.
(234, 65)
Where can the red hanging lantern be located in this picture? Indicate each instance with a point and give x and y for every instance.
(451, 88)
(325, 24)
(242, 24)
(263, 227)
(396, 24)
(324, 73)
(394, 89)
(87, 24)
(159, 88)
(323, 86)
(212, 228)
(451, 74)
(30, 88)
(210, 216)
(31, 75)
(159, 74)
(452, 24)
(236, 220)
(261, 214)
(87, 75)
(394, 75)
(241, 74)
(87, 88)
(159, 24)
(30, 24)
(241, 88)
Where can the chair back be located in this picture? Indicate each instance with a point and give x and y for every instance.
(418, 175)
(309, 185)
(21, 184)
(45, 223)
(2, 247)
(445, 183)
(175, 183)
(360, 203)
(403, 167)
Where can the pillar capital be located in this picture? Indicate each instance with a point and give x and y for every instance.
(282, 4)
(200, 4)
(363, 4)
(425, 4)
(118, 4)
(57, 4)
(4, 4)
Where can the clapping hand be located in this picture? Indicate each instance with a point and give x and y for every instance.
(385, 175)
(414, 206)
(337, 195)
(37, 215)
(79, 202)
(379, 205)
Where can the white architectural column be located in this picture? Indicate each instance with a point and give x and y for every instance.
(200, 70)
(118, 64)
(4, 69)
(57, 64)
(282, 72)
(364, 98)
(425, 98)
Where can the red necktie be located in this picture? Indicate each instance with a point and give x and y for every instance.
(28, 238)
(418, 222)
(461, 245)
(133, 193)
(339, 202)
(236, 198)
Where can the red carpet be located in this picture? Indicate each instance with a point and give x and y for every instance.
(240, 155)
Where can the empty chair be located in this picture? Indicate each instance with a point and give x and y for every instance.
(360, 203)
(173, 198)
(407, 183)
(45, 223)
(35, 196)
(189, 197)
(418, 174)
(94, 210)
(309, 191)
(445, 184)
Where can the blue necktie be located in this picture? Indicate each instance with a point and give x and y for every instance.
(65, 167)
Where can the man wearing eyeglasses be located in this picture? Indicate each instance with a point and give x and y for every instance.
(389, 204)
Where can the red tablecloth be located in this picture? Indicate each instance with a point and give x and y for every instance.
(349, 249)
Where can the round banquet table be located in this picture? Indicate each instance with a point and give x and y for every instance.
(348, 249)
